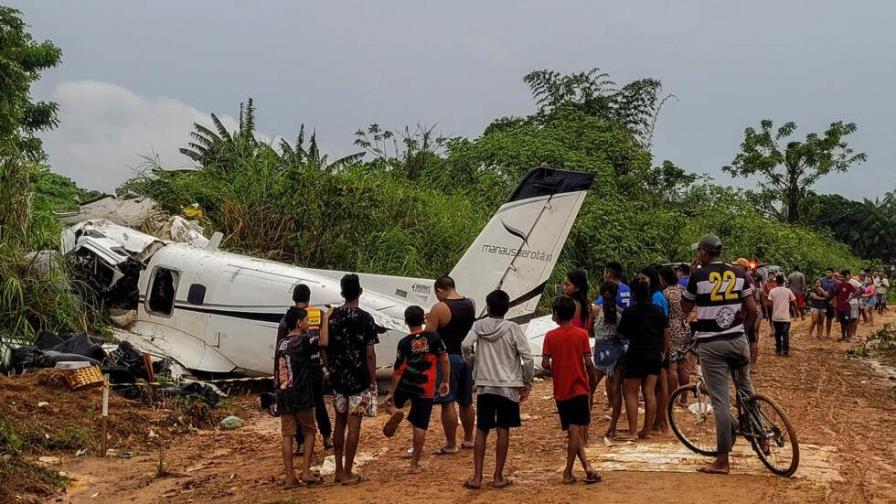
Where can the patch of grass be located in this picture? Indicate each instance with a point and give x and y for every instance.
(19, 476)
(36, 438)
(880, 345)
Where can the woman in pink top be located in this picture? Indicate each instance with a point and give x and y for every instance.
(868, 302)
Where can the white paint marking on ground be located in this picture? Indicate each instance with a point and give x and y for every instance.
(817, 463)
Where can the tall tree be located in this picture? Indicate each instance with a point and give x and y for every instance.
(634, 105)
(21, 62)
(786, 175)
(411, 151)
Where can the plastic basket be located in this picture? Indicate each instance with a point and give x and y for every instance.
(84, 377)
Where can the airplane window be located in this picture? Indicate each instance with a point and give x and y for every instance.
(164, 286)
(196, 294)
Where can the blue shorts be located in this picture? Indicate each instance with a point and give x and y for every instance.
(460, 382)
(608, 355)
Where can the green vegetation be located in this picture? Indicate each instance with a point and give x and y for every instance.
(414, 206)
(868, 226)
(52, 193)
(413, 201)
(880, 344)
(21, 62)
(17, 474)
(35, 291)
(786, 175)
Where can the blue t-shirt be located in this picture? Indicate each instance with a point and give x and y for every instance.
(623, 297)
(683, 281)
(828, 285)
(660, 300)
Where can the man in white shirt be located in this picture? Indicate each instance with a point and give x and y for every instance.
(782, 300)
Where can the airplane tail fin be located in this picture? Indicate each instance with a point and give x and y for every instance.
(519, 247)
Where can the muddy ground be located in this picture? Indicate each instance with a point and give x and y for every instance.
(843, 412)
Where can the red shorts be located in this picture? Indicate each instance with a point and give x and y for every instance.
(800, 301)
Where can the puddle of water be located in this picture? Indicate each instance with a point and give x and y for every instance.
(817, 463)
(328, 466)
(888, 372)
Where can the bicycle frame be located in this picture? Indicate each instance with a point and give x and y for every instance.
(746, 423)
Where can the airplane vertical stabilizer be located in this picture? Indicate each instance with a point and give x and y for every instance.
(519, 247)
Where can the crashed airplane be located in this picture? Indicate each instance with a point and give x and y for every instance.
(216, 312)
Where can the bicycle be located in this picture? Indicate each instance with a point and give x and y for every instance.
(759, 419)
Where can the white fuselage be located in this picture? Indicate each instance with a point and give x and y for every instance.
(232, 328)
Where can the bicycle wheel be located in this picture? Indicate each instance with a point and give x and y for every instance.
(773, 437)
(692, 419)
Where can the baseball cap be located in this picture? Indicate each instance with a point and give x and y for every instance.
(708, 242)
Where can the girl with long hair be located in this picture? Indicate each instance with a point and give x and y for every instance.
(651, 276)
(646, 327)
(575, 285)
(609, 350)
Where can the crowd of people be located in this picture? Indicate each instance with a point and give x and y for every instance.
(647, 336)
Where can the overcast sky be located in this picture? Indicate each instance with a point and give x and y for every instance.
(135, 75)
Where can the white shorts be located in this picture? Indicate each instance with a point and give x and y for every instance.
(356, 404)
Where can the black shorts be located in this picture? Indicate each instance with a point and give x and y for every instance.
(496, 411)
(752, 334)
(640, 366)
(421, 409)
(829, 311)
(575, 411)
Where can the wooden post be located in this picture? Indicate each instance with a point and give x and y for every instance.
(105, 413)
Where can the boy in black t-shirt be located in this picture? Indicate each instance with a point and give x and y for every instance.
(295, 400)
(414, 380)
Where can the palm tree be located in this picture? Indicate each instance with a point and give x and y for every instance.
(298, 155)
(219, 148)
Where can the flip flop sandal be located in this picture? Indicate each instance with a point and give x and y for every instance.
(592, 478)
(572, 481)
(467, 445)
(470, 486)
(393, 423)
(354, 481)
(503, 484)
(313, 482)
(446, 451)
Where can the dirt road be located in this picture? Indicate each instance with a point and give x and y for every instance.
(842, 410)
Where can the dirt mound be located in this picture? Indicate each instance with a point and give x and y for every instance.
(41, 416)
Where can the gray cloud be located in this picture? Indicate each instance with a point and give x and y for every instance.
(105, 129)
(337, 66)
